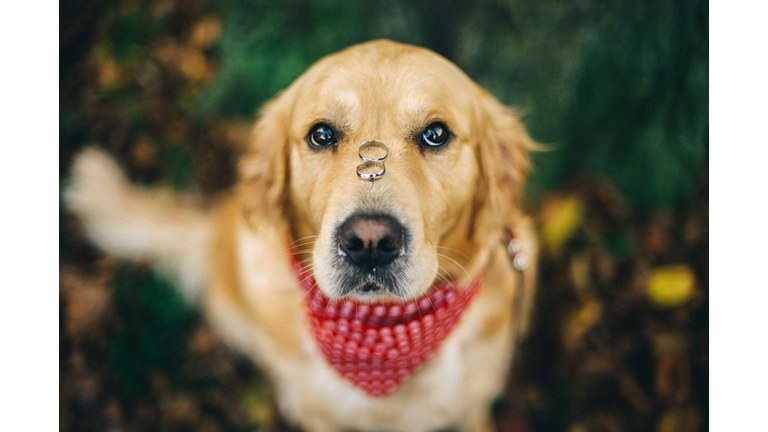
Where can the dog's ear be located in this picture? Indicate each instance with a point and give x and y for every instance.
(503, 155)
(264, 167)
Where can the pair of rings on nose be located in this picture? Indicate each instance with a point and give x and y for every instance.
(372, 167)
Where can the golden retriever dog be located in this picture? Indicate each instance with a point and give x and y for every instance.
(373, 257)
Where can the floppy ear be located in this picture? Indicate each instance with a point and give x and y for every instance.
(264, 167)
(504, 162)
(503, 155)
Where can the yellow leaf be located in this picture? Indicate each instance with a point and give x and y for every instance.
(561, 218)
(671, 285)
(257, 402)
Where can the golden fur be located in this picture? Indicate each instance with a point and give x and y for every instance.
(455, 202)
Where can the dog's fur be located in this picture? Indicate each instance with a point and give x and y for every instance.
(454, 203)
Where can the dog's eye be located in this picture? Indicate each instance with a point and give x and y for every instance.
(435, 135)
(321, 135)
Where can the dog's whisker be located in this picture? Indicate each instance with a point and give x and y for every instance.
(299, 244)
(305, 262)
(452, 250)
(455, 262)
(310, 272)
(444, 276)
(305, 238)
(305, 279)
(294, 250)
(440, 270)
(301, 252)
(428, 296)
(325, 311)
(302, 242)
(306, 294)
(298, 251)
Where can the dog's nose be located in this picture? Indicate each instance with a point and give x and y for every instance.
(371, 241)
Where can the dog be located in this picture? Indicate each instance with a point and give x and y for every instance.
(373, 258)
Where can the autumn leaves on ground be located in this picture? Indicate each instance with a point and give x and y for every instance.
(619, 338)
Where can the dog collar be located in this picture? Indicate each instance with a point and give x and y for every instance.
(378, 346)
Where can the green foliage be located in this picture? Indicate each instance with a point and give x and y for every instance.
(180, 165)
(264, 48)
(150, 335)
(615, 88)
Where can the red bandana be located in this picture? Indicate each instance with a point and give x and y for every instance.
(378, 346)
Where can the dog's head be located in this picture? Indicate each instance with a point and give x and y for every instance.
(454, 174)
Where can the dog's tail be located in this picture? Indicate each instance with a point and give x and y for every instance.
(140, 224)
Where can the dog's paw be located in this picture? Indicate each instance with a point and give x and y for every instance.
(137, 223)
(99, 194)
(96, 183)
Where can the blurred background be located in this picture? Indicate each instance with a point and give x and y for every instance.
(618, 90)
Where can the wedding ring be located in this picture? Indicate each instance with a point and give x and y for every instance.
(369, 146)
(370, 170)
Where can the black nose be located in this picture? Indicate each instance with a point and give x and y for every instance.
(371, 241)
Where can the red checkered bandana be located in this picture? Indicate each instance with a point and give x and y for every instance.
(378, 346)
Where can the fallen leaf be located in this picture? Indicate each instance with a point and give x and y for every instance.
(561, 217)
(87, 300)
(671, 285)
(194, 65)
(257, 403)
(206, 32)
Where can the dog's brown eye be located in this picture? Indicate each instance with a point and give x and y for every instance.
(435, 135)
(321, 135)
